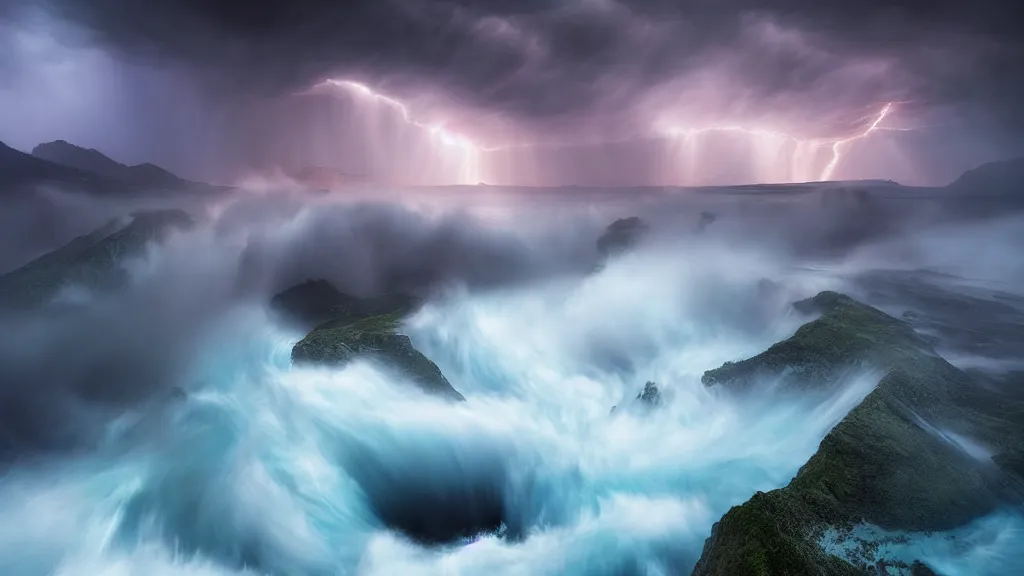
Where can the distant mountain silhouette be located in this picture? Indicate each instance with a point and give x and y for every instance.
(990, 189)
(1004, 176)
(74, 168)
(18, 169)
(91, 160)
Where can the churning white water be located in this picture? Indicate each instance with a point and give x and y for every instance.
(268, 469)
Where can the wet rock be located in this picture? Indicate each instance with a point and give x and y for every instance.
(339, 342)
(348, 328)
(880, 464)
(622, 235)
(847, 335)
(649, 397)
(312, 302)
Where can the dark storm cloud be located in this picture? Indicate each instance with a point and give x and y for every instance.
(545, 57)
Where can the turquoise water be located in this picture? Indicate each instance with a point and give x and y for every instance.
(270, 469)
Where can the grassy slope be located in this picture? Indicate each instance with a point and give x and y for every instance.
(91, 261)
(342, 340)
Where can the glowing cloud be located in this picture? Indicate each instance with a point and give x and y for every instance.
(837, 146)
(771, 156)
(453, 150)
(803, 152)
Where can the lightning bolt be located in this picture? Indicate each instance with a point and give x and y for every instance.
(471, 151)
(442, 134)
(837, 146)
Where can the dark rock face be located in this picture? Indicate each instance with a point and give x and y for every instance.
(920, 569)
(91, 261)
(339, 342)
(881, 464)
(317, 301)
(650, 396)
(849, 334)
(621, 236)
(348, 328)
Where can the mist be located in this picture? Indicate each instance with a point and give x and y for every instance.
(616, 287)
(178, 388)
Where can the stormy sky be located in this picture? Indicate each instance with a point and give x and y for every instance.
(522, 91)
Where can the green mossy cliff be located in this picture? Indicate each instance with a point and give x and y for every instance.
(91, 261)
(886, 463)
(360, 328)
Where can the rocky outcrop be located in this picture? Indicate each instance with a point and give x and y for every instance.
(848, 335)
(341, 341)
(349, 328)
(886, 464)
(648, 398)
(92, 261)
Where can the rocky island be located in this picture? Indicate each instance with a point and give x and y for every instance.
(347, 327)
(888, 464)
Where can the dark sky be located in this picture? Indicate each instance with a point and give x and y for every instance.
(208, 87)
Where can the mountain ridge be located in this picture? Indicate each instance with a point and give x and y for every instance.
(64, 153)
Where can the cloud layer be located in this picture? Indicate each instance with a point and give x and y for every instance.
(577, 71)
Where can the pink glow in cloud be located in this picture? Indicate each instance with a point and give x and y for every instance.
(450, 156)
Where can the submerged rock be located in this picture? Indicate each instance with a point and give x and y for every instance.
(706, 219)
(886, 463)
(92, 261)
(359, 328)
(622, 235)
